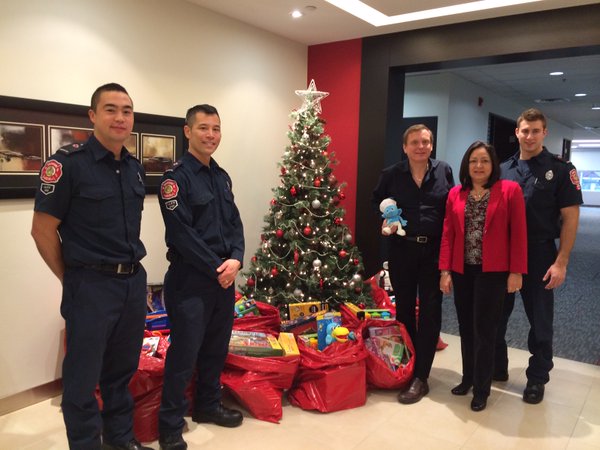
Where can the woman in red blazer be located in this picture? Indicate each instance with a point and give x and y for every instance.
(483, 255)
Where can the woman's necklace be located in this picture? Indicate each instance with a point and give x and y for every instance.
(478, 195)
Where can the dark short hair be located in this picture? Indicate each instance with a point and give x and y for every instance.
(413, 128)
(465, 177)
(209, 110)
(531, 115)
(109, 87)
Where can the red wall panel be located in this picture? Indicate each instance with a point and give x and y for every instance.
(336, 69)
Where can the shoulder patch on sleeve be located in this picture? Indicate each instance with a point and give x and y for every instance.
(575, 179)
(71, 148)
(169, 189)
(51, 171)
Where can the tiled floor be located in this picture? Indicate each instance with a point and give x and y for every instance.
(568, 418)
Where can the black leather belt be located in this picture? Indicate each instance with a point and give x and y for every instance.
(419, 239)
(117, 269)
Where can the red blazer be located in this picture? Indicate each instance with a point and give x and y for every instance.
(504, 233)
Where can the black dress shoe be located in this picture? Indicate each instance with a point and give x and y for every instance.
(172, 442)
(500, 375)
(131, 445)
(462, 389)
(478, 404)
(533, 393)
(417, 390)
(221, 416)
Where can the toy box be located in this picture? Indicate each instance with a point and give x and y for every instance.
(323, 321)
(363, 314)
(254, 343)
(300, 325)
(306, 309)
(288, 344)
(245, 307)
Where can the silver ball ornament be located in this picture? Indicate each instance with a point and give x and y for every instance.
(316, 204)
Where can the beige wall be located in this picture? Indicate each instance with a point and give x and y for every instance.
(169, 55)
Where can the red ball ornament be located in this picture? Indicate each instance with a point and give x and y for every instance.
(273, 202)
(307, 231)
(283, 171)
(317, 182)
(343, 253)
(356, 261)
(358, 290)
(274, 271)
(254, 259)
(250, 282)
(279, 233)
(361, 305)
(342, 196)
(337, 220)
(293, 191)
(296, 256)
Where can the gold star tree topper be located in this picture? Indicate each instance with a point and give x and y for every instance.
(311, 97)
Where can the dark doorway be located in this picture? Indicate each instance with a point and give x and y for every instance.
(501, 134)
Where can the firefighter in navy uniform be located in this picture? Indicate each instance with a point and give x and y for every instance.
(205, 238)
(552, 198)
(86, 226)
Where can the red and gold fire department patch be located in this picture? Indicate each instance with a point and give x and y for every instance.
(51, 172)
(169, 189)
(575, 179)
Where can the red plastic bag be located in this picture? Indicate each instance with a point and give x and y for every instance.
(258, 383)
(331, 380)
(269, 320)
(379, 375)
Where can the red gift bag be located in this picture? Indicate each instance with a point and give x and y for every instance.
(331, 380)
(258, 382)
(268, 321)
(379, 375)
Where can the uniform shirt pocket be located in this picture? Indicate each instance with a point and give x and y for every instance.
(203, 209)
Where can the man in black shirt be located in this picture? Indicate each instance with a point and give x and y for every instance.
(420, 186)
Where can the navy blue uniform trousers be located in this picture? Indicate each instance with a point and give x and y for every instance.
(201, 316)
(414, 270)
(538, 303)
(105, 319)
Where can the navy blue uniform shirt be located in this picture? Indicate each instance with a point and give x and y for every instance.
(202, 223)
(423, 208)
(549, 183)
(99, 201)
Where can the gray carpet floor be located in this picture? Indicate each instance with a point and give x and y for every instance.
(576, 302)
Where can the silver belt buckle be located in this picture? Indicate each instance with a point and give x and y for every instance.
(121, 269)
(422, 239)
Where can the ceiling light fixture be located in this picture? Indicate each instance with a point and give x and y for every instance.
(580, 95)
(596, 107)
(376, 18)
(556, 74)
(296, 14)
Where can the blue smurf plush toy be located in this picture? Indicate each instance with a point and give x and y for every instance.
(391, 214)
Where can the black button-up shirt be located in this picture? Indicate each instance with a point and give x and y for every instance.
(424, 207)
(549, 183)
(99, 201)
(203, 224)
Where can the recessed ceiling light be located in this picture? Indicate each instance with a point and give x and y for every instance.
(296, 14)
(555, 74)
(596, 107)
(580, 95)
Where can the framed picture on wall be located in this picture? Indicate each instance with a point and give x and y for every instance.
(32, 130)
(158, 153)
(21, 148)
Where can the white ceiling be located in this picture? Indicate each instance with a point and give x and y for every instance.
(521, 82)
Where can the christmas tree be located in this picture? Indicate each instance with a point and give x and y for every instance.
(307, 252)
